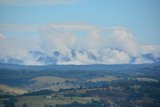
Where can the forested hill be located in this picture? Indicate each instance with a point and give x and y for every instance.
(16, 75)
(114, 67)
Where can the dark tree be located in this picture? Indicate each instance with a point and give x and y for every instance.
(10, 102)
(24, 105)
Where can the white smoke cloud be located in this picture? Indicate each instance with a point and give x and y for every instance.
(112, 56)
(118, 48)
(142, 60)
(18, 48)
(80, 59)
(123, 40)
(155, 49)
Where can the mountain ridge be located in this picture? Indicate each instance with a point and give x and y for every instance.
(77, 57)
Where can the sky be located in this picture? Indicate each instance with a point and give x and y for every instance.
(140, 16)
(136, 21)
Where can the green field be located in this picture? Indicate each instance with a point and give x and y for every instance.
(41, 101)
(114, 86)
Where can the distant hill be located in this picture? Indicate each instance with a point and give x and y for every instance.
(49, 82)
(51, 76)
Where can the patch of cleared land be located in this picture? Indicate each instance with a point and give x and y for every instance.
(50, 82)
(146, 79)
(41, 101)
(109, 78)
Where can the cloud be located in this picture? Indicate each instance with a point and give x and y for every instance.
(18, 28)
(123, 40)
(113, 56)
(18, 48)
(120, 47)
(37, 2)
(60, 41)
(73, 26)
(58, 34)
(80, 59)
(155, 49)
(2, 37)
(10, 47)
(142, 60)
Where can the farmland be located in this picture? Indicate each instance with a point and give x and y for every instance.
(95, 85)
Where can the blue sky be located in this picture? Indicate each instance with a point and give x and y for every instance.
(114, 31)
(142, 17)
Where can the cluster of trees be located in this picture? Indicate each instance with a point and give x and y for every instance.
(94, 103)
(41, 92)
(10, 102)
(6, 96)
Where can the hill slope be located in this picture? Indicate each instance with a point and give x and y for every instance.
(4, 89)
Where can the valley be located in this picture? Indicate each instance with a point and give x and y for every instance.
(80, 86)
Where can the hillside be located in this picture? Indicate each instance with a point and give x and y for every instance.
(88, 85)
(4, 89)
(50, 82)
